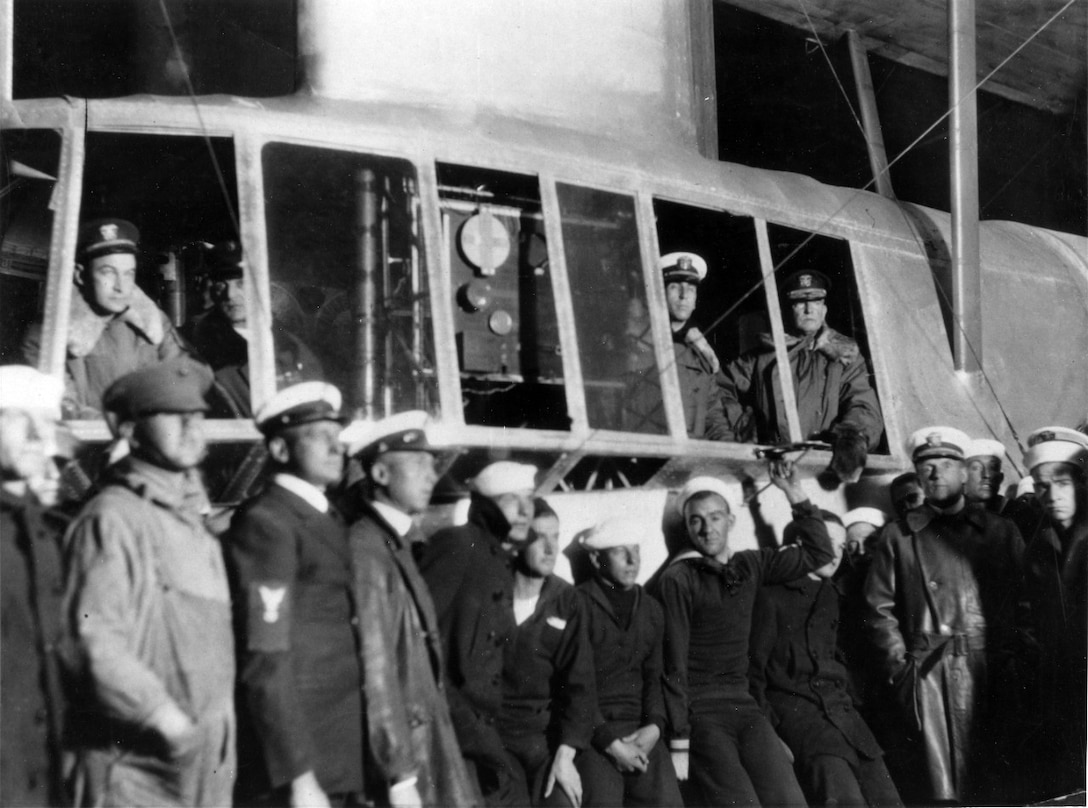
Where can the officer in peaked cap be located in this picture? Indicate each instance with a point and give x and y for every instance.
(113, 326)
(696, 362)
(835, 401)
(147, 590)
(301, 681)
(928, 633)
(220, 335)
(1056, 571)
(984, 474)
(808, 284)
(402, 637)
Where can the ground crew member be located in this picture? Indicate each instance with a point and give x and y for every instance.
(830, 379)
(414, 758)
(300, 673)
(941, 595)
(548, 693)
(627, 764)
(148, 607)
(805, 690)
(1056, 571)
(707, 594)
(469, 572)
(114, 328)
(31, 770)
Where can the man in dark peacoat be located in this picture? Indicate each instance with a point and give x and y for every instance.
(469, 573)
(798, 678)
(626, 762)
(413, 755)
(300, 700)
(31, 582)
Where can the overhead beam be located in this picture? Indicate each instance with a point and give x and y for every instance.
(870, 116)
(963, 160)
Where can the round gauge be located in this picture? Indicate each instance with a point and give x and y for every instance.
(484, 242)
(500, 323)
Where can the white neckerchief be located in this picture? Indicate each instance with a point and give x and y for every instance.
(307, 491)
(397, 519)
(242, 331)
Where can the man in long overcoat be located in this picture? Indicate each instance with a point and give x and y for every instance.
(942, 596)
(413, 750)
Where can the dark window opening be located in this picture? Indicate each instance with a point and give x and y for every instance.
(28, 172)
(110, 48)
(505, 321)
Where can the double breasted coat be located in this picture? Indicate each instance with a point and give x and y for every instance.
(942, 595)
(298, 630)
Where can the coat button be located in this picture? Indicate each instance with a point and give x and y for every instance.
(933, 585)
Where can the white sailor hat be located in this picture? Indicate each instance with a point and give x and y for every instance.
(403, 432)
(298, 404)
(24, 388)
(985, 447)
(870, 516)
(615, 532)
(504, 477)
(1056, 444)
(699, 485)
(682, 266)
(938, 441)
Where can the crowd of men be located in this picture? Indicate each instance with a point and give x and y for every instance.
(323, 651)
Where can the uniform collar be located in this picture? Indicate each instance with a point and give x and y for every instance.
(487, 516)
(396, 518)
(173, 489)
(85, 326)
(305, 491)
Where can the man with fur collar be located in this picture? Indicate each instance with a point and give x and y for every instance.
(830, 379)
(114, 328)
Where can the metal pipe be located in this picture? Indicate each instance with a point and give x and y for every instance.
(364, 302)
(870, 116)
(963, 159)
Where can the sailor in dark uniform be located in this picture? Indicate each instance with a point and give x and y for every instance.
(627, 763)
(300, 675)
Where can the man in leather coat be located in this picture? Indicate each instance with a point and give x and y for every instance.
(413, 754)
(942, 596)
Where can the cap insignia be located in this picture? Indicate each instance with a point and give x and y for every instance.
(805, 281)
(109, 232)
(684, 262)
(934, 439)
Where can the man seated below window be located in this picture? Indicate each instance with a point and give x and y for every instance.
(220, 336)
(835, 401)
(114, 328)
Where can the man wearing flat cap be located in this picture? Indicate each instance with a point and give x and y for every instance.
(469, 572)
(984, 474)
(220, 336)
(413, 755)
(627, 762)
(1056, 572)
(835, 401)
(31, 769)
(148, 609)
(707, 594)
(941, 596)
(696, 362)
(113, 326)
(301, 710)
